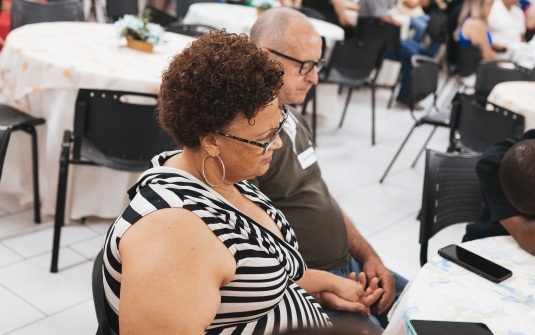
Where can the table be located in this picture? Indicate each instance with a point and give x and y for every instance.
(239, 19)
(443, 290)
(517, 96)
(42, 66)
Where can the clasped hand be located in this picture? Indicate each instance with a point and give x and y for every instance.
(351, 294)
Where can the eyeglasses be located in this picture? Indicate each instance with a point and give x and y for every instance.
(306, 66)
(268, 144)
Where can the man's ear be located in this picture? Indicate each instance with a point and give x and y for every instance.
(210, 144)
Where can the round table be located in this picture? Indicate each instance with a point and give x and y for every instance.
(518, 97)
(443, 290)
(42, 66)
(240, 19)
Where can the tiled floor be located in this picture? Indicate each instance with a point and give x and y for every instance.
(34, 301)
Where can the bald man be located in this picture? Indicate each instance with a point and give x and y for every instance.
(327, 238)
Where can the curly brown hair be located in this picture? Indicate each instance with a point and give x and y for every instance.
(219, 77)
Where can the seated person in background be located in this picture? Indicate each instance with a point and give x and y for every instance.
(333, 10)
(434, 6)
(380, 9)
(507, 24)
(506, 173)
(472, 27)
(419, 19)
(327, 238)
(200, 250)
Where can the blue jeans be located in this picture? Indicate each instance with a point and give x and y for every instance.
(374, 320)
(419, 24)
(407, 48)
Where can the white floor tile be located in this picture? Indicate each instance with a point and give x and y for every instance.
(41, 241)
(15, 312)
(48, 292)
(7, 256)
(79, 320)
(89, 248)
(21, 223)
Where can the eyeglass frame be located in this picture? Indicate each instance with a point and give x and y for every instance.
(268, 144)
(319, 64)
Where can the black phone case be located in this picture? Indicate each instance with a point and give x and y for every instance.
(473, 269)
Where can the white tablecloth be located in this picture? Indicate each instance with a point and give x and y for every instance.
(517, 96)
(443, 290)
(42, 66)
(523, 54)
(239, 19)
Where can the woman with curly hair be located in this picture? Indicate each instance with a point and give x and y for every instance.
(199, 249)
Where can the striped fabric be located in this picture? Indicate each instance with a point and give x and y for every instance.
(262, 297)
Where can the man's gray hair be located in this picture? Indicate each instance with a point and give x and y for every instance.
(271, 28)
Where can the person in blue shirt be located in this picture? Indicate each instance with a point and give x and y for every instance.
(472, 28)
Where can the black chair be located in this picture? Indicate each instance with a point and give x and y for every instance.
(108, 131)
(424, 81)
(17, 120)
(451, 194)
(160, 17)
(193, 30)
(476, 128)
(437, 28)
(352, 65)
(312, 13)
(183, 5)
(490, 74)
(97, 283)
(469, 59)
(27, 12)
(5, 133)
(115, 9)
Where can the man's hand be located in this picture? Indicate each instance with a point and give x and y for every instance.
(441, 4)
(365, 298)
(376, 269)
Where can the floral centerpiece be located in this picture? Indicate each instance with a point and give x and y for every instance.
(140, 33)
(263, 5)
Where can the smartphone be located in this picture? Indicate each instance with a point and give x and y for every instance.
(428, 327)
(475, 263)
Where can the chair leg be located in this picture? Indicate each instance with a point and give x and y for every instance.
(424, 146)
(423, 253)
(60, 205)
(391, 99)
(345, 107)
(35, 168)
(373, 112)
(397, 153)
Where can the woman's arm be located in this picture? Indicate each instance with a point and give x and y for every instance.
(172, 269)
(476, 31)
(339, 8)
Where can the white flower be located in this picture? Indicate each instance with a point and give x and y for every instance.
(155, 33)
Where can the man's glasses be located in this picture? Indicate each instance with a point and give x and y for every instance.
(268, 144)
(306, 66)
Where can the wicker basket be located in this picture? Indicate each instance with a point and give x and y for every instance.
(139, 45)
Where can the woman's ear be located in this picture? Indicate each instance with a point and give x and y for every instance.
(210, 145)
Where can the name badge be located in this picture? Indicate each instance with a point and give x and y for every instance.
(307, 158)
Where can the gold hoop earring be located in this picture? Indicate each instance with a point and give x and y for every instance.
(204, 176)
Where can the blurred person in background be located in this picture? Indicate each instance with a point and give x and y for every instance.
(472, 27)
(507, 24)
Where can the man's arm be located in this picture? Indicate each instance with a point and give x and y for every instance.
(522, 229)
(373, 267)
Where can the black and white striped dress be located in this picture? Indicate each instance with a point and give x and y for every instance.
(261, 298)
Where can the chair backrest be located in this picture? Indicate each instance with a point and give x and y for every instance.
(5, 133)
(193, 30)
(183, 5)
(437, 28)
(424, 78)
(469, 58)
(160, 17)
(121, 132)
(374, 29)
(312, 13)
(477, 128)
(354, 58)
(27, 12)
(451, 194)
(115, 9)
(490, 74)
(97, 283)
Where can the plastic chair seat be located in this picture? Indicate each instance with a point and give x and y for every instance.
(10, 116)
(338, 77)
(440, 119)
